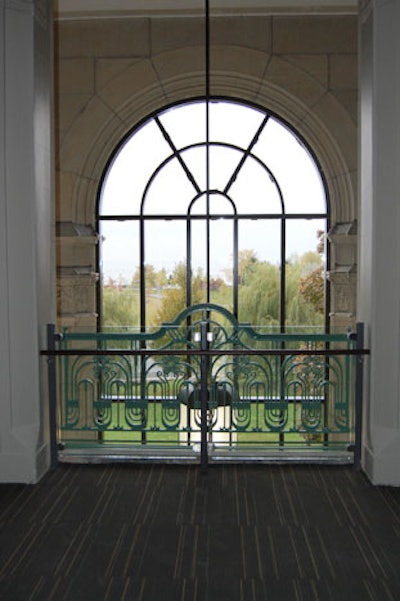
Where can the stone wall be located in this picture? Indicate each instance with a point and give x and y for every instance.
(112, 72)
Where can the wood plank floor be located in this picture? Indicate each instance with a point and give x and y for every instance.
(245, 533)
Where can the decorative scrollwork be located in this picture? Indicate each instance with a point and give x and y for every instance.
(269, 399)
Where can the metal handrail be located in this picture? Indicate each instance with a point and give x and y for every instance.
(206, 352)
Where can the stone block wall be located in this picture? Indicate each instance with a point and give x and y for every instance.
(110, 73)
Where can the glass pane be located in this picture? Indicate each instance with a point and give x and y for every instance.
(263, 237)
(170, 192)
(165, 244)
(195, 160)
(293, 167)
(219, 205)
(254, 191)
(221, 261)
(259, 271)
(165, 260)
(131, 169)
(199, 261)
(302, 236)
(305, 272)
(221, 251)
(233, 123)
(119, 249)
(222, 162)
(185, 124)
(119, 256)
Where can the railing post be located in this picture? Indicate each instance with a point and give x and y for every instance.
(204, 396)
(52, 386)
(359, 396)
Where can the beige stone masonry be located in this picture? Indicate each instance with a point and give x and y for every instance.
(70, 109)
(108, 69)
(170, 34)
(343, 71)
(112, 73)
(84, 198)
(130, 82)
(327, 109)
(314, 65)
(66, 183)
(84, 135)
(228, 59)
(315, 35)
(349, 101)
(285, 75)
(77, 294)
(178, 64)
(76, 250)
(76, 76)
(128, 37)
(342, 194)
(250, 32)
(343, 273)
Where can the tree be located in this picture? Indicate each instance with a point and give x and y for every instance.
(247, 264)
(299, 308)
(120, 305)
(312, 284)
(312, 289)
(154, 279)
(173, 299)
(259, 295)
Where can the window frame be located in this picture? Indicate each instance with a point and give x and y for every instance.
(235, 217)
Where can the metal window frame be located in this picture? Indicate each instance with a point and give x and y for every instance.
(236, 217)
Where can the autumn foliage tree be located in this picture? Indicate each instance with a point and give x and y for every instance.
(312, 289)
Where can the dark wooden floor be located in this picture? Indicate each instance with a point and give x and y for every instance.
(248, 533)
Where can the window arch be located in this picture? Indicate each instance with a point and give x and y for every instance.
(213, 202)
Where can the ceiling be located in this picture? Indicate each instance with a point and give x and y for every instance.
(65, 9)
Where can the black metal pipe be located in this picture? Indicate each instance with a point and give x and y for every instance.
(208, 186)
(52, 390)
(209, 352)
(359, 396)
(204, 396)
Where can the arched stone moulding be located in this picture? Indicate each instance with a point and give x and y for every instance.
(148, 85)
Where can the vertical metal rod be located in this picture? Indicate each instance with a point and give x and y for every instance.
(283, 276)
(143, 317)
(236, 268)
(282, 318)
(142, 278)
(52, 386)
(204, 396)
(207, 82)
(359, 397)
(188, 262)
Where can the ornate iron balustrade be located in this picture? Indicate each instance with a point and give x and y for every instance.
(206, 386)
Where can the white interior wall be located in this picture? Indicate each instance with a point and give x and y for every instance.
(26, 225)
(379, 291)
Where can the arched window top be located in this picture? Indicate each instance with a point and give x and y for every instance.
(256, 161)
(214, 202)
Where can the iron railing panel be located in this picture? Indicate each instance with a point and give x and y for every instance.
(204, 386)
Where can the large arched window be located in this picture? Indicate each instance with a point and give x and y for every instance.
(219, 203)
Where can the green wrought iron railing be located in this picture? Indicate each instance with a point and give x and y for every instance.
(205, 387)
